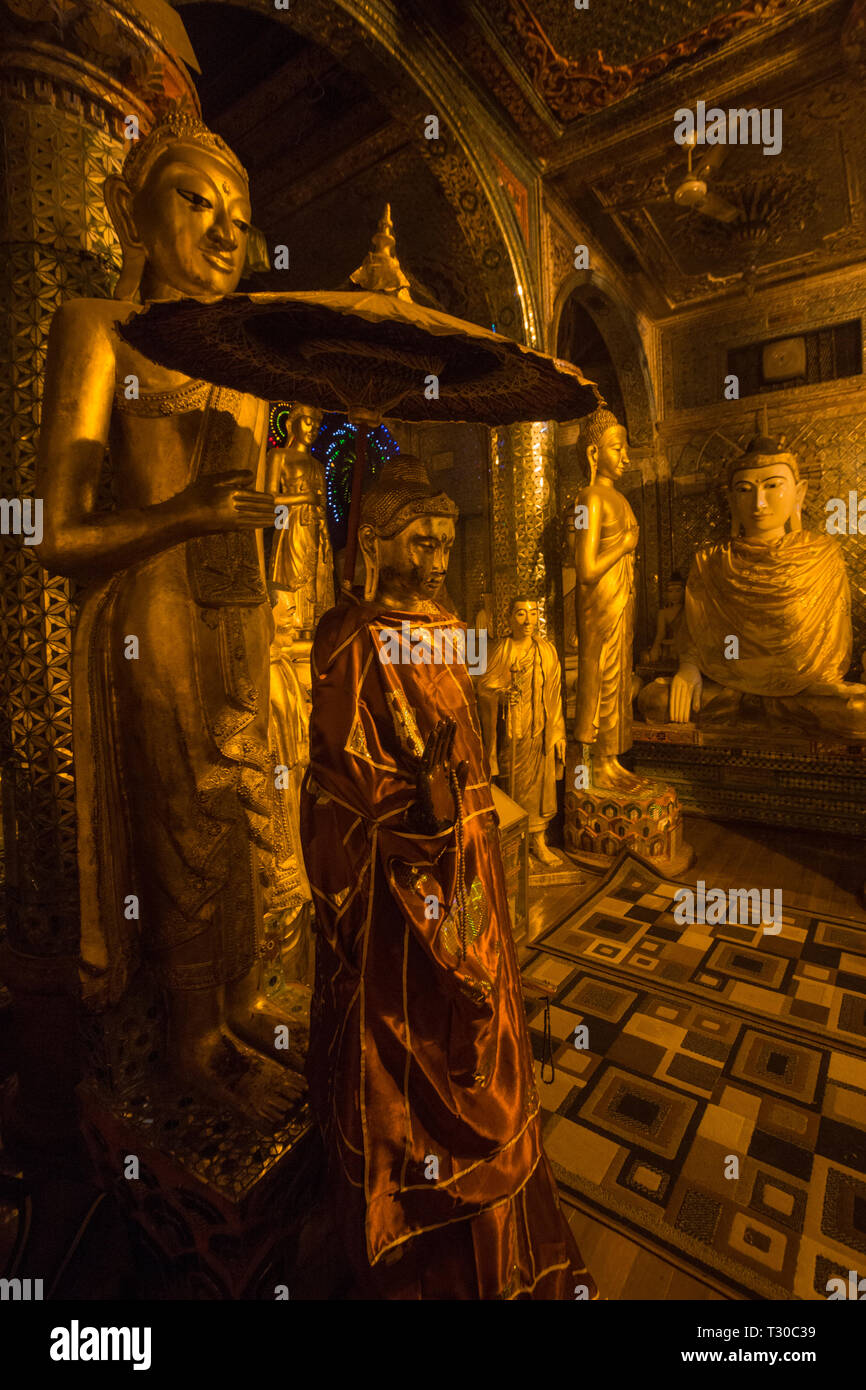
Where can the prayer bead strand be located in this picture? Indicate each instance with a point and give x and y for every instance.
(461, 863)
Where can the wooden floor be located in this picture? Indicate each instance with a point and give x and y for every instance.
(814, 873)
(624, 1269)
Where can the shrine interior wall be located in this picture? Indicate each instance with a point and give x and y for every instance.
(824, 422)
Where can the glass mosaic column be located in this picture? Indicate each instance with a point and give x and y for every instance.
(524, 531)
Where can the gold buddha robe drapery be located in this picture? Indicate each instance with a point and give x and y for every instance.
(521, 740)
(788, 604)
(287, 893)
(420, 1067)
(174, 783)
(605, 639)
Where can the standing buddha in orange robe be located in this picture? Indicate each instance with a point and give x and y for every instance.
(420, 1065)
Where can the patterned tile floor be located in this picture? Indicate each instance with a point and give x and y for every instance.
(716, 1095)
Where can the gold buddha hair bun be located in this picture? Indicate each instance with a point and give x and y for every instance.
(180, 125)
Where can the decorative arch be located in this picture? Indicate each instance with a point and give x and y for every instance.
(462, 159)
(615, 321)
(467, 120)
(598, 296)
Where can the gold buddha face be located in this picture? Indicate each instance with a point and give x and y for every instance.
(192, 216)
(305, 427)
(764, 500)
(413, 564)
(524, 619)
(610, 456)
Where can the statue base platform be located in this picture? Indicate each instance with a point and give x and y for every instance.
(545, 875)
(216, 1209)
(601, 823)
(747, 772)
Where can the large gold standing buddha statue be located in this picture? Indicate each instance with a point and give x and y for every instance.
(174, 784)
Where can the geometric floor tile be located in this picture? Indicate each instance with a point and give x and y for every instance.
(720, 1112)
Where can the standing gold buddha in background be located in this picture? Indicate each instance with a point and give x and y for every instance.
(302, 582)
(174, 781)
(605, 539)
(302, 563)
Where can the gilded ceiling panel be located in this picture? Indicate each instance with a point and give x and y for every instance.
(799, 209)
(580, 61)
(624, 31)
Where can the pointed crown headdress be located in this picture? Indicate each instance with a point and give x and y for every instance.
(179, 124)
(400, 492)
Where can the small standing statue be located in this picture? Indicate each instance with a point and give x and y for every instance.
(520, 701)
(606, 537)
(174, 784)
(302, 561)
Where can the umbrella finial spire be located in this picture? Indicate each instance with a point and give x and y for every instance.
(380, 270)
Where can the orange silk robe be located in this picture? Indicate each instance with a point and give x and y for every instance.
(420, 1066)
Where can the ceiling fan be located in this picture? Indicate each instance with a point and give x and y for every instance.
(694, 193)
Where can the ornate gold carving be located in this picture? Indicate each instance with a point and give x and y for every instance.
(57, 244)
(517, 192)
(192, 396)
(574, 87)
(561, 257)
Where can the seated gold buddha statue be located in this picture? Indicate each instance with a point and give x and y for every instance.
(768, 615)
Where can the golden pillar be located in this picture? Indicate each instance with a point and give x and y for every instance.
(71, 77)
(524, 533)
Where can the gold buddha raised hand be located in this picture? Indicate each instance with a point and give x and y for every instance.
(768, 613)
(174, 786)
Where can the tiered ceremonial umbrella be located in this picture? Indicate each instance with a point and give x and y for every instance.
(371, 352)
